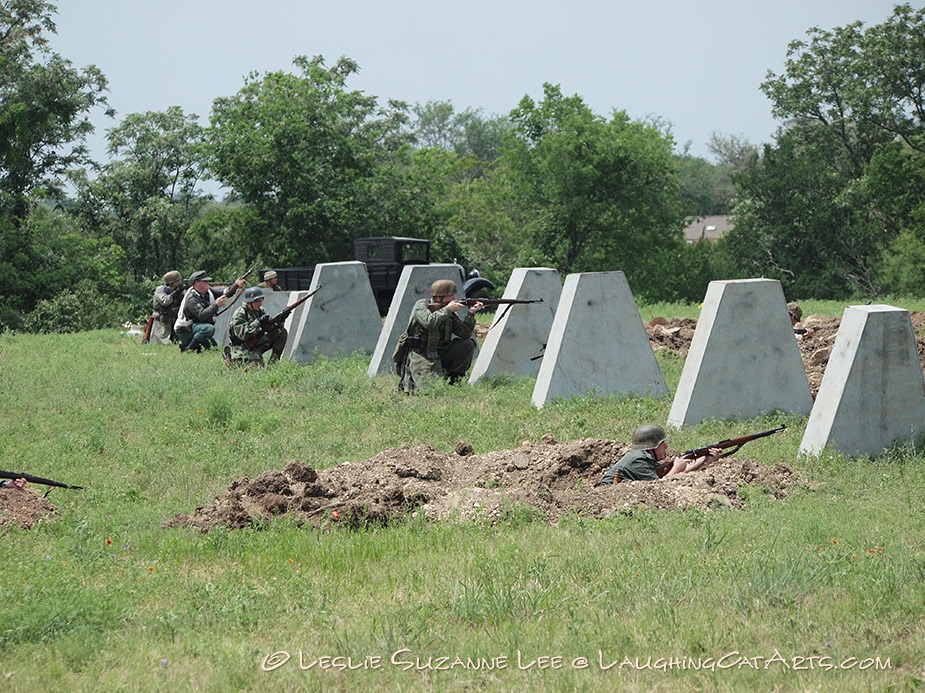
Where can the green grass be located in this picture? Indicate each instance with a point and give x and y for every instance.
(104, 598)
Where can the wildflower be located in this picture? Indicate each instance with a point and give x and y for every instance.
(151, 567)
(109, 542)
(335, 514)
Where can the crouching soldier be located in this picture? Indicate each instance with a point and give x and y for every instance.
(251, 333)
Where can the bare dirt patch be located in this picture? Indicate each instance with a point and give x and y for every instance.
(815, 336)
(23, 507)
(546, 480)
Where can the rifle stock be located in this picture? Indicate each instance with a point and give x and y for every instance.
(278, 318)
(734, 443)
(148, 325)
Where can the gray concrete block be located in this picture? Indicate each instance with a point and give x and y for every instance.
(597, 343)
(872, 394)
(518, 333)
(744, 360)
(413, 285)
(340, 319)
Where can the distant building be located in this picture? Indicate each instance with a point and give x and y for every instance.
(707, 228)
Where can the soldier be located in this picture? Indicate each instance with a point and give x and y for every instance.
(248, 321)
(195, 324)
(650, 447)
(270, 281)
(167, 299)
(440, 344)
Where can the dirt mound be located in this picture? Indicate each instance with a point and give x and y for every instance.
(815, 336)
(546, 479)
(675, 334)
(23, 507)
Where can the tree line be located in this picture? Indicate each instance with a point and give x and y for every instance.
(833, 207)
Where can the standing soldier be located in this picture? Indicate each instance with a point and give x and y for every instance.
(167, 299)
(250, 321)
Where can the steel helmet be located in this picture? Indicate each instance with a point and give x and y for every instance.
(252, 294)
(648, 437)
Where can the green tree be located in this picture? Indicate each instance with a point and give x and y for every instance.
(43, 105)
(146, 197)
(597, 194)
(850, 161)
(302, 152)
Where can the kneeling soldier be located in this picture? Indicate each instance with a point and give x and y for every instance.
(249, 322)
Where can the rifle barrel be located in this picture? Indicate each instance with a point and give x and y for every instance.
(32, 479)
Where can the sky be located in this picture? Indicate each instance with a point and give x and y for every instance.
(696, 65)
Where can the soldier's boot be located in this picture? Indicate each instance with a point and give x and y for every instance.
(226, 355)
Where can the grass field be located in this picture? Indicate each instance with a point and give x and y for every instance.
(822, 591)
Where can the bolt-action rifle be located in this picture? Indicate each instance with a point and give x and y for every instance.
(269, 323)
(734, 443)
(469, 302)
(230, 291)
(50, 483)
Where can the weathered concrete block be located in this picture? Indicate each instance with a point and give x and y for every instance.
(744, 360)
(517, 336)
(597, 343)
(340, 319)
(872, 394)
(413, 285)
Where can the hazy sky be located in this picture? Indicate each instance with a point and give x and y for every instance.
(697, 65)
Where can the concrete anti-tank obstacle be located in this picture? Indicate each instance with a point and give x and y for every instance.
(743, 360)
(872, 395)
(413, 285)
(517, 336)
(340, 319)
(597, 343)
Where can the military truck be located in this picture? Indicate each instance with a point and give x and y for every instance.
(385, 257)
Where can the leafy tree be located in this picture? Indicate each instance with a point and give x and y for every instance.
(146, 196)
(468, 133)
(844, 183)
(704, 188)
(597, 194)
(302, 152)
(43, 103)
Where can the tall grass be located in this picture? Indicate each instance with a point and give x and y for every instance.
(104, 598)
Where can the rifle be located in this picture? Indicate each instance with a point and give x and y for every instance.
(469, 302)
(734, 443)
(230, 291)
(148, 325)
(50, 483)
(278, 318)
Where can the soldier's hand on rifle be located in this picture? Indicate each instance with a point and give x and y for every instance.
(476, 307)
(263, 319)
(240, 282)
(712, 456)
(18, 484)
(221, 300)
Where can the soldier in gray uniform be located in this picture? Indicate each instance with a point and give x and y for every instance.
(166, 302)
(440, 343)
(195, 325)
(650, 446)
(248, 321)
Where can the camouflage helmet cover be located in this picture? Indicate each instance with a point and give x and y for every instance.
(795, 310)
(648, 437)
(252, 294)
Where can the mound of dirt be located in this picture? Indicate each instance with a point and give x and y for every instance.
(675, 334)
(23, 507)
(548, 478)
(815, 336)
